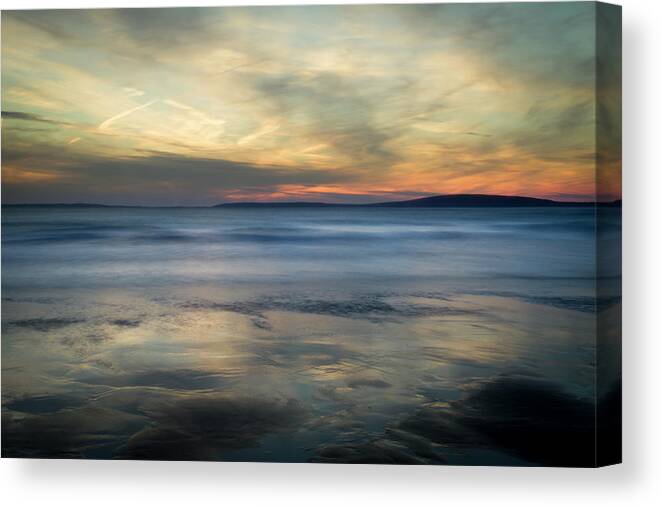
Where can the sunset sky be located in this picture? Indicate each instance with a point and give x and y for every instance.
(335, 104)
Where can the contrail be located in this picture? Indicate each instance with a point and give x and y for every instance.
(266, 128)
(110, 121)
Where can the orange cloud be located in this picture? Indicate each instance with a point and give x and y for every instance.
(13, 174)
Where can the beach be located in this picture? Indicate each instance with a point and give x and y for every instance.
(338, 334)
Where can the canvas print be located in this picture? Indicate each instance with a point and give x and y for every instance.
(382, 234)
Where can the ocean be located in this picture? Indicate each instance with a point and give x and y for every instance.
(338, 334)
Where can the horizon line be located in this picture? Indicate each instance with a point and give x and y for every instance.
(312, 203)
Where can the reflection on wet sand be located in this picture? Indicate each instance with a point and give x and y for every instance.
(354, 382)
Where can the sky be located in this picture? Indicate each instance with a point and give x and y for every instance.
(197, 106)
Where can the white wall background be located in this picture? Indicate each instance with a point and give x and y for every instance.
(637, 482)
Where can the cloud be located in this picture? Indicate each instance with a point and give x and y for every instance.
(19, 115)
(133, 92)
(43, 404)
(107, 123)
(159, 31)
(43, 324)
(267, 128)
(15, 175)
(333, 111)
(425, 99)
(156, 178)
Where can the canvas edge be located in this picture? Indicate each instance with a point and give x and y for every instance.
(608, 280)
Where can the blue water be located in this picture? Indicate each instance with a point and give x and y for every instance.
(316, 334)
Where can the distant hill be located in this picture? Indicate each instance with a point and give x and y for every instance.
(63, 205)
(276, 204)
(478, 200)
(436, 201)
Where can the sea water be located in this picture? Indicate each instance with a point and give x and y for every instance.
(336, 334)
